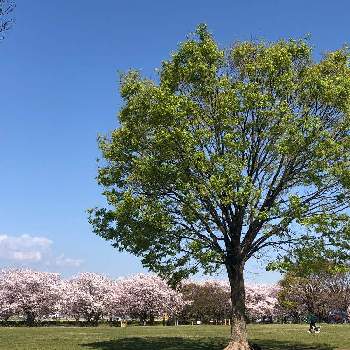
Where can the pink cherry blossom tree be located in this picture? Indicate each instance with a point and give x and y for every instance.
(147, 296)
(114, 302)
(86, 296)
(261, 300)
(29, 293)
(8, 306)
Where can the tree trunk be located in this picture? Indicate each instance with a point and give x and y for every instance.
(238, 339)
(96, 318)
(30, 318)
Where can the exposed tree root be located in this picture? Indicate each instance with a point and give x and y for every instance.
(237, 345)
(242, 346)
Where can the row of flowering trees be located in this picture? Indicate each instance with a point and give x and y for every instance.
(89, 296)
(38, 295)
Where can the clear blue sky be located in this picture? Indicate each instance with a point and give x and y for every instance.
(59, 90)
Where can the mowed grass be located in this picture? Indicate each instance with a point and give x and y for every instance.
(272, 337)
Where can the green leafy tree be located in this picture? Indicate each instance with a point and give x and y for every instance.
(314, 256)
(230, 153)
(6, 8)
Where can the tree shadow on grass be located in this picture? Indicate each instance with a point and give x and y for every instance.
(177, 343)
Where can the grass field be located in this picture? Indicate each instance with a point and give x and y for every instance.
(272, 337)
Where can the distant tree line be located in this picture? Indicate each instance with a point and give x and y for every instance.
(33, 298)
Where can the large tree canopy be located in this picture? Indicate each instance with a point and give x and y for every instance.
(229, 153)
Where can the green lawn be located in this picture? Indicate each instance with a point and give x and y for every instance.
(272, 337)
